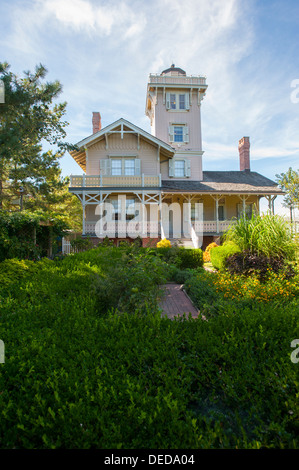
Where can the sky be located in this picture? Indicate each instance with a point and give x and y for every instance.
(102, 51)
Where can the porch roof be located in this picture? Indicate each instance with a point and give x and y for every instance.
(232, 182)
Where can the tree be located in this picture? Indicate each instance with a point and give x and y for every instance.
(29, 119)
(289, 183)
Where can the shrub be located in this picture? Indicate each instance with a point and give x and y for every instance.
(73, 379)
(129, 283)
(221, 253)
(182, 258)
(248, 263)
(164, 243)
(81, 244)
(269, 235)
(206, 254)
(191, 258)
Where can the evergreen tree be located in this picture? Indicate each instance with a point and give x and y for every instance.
(29, 119)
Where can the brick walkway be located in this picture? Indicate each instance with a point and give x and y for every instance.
(174, 302)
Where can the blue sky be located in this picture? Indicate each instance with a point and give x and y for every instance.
(102, 51)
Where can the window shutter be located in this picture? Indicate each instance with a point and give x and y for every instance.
(187, 101)
(104, 167)
(167, 100)
(187, 168)
(171, 167)
(171, 133)
(186, 134)
(137, 166)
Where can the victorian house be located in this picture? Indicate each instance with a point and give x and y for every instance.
(130, 168)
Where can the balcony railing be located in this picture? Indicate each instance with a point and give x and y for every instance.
(153, 228)
(177, 80)
(99, 181)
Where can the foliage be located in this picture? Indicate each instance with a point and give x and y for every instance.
(219, 254)
(181, 257)
(206, 254)
(29, 117)
(248, 263)
(164, 243)
(81, 244)
(214, 293)
(75, 379)
(18, 231)
(131, 282)
(289, 183)
(267, 234)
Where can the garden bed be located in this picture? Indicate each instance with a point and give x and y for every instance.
(90, 363)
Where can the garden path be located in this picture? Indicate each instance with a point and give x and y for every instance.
(175, 302)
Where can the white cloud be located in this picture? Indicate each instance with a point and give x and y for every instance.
(99, 19)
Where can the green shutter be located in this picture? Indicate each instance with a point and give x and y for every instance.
(171, 167)
(171, 133)
(186, 134)
(167, 100)
(137, 166)
(187, 167)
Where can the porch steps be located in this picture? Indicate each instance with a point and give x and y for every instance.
(184, 242)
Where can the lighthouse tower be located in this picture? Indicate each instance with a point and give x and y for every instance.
(173, 104)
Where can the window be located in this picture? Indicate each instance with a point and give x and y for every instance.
(248, 210)
(130, 167)
(179, 168)
(117, 204)
(116, 167)
(172, 101)
(182, 101)
(178, 133)
(120, 166)
(130, 209)
(177, 101)
(221, 209)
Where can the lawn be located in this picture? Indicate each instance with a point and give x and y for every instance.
(90, 363)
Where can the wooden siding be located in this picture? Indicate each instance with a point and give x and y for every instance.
(128, 146)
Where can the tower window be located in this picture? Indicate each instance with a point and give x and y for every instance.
(178, 134)
(177, 101)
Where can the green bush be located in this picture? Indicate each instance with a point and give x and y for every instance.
(81, 244)
(219, 254)
(74, 379)
(182, 258)
(268, 234)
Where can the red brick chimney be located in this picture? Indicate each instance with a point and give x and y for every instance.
(244, 153)
(96, 122)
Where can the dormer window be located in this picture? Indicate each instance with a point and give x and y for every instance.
(177, 101)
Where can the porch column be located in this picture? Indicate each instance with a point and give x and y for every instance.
(244, 206)
(217, 214)
(83, 214)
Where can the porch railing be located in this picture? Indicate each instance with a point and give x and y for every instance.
(92, 181)
(205, 227)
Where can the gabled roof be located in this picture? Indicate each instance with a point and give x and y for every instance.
(229, 182)
(80, 155)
